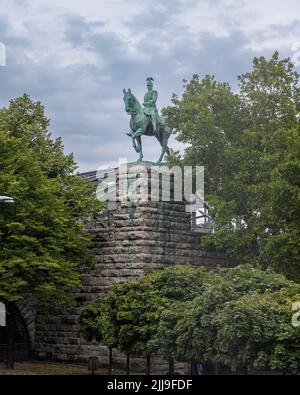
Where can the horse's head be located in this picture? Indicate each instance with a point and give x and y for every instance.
(129, 101)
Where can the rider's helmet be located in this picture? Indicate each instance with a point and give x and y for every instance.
(150, 81)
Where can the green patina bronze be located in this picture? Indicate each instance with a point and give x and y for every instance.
(145, 120)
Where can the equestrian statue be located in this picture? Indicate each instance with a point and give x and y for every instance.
(145, 120)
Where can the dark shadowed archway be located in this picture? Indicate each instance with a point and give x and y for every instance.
(15, 331)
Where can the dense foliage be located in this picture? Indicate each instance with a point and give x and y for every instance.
(201, 330)
(128, 315)
(249, 144)
(239, 317)
(43, 239)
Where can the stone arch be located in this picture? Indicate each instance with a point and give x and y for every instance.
(17, 332)
(28, 316)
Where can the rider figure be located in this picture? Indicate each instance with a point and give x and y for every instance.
(149, 104)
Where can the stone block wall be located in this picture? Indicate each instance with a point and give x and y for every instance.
(125, 243)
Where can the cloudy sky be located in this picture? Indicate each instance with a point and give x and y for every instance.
(77, 56)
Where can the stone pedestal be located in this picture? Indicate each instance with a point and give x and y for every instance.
(131, 237)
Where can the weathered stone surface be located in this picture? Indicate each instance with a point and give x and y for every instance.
(158, 236)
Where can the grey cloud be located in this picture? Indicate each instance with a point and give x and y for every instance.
(84, 101)
(77, 28)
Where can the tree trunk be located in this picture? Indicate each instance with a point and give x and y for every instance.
(171, 367)
(216, 369)
(128, 365)
(207, 369)
(10, 334)
(110, 361)
(194, 369)
(148, 370)
(244, 371)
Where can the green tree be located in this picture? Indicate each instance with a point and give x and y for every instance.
(249, 143)
(207, 119)
(179, 285)
(130, 317)
(138, 312)
(43, 236)
(255, 332)
(92, 320)
(89, 320)
(164, 343)
(239, 317)
(198, 328)
(132, 312)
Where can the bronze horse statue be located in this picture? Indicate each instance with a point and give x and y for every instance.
(141, 124)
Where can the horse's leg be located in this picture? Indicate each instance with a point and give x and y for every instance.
(163, 151)
(139, 140)
(161, 156)
(163, 144)
(131, 134)
(135, 145)
(137, 135)
(165, 133)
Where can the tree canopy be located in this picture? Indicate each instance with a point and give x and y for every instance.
(128, 315)
(43, 238)
(249, 144)
(255, 332)
(238, 317)
(200, 329)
